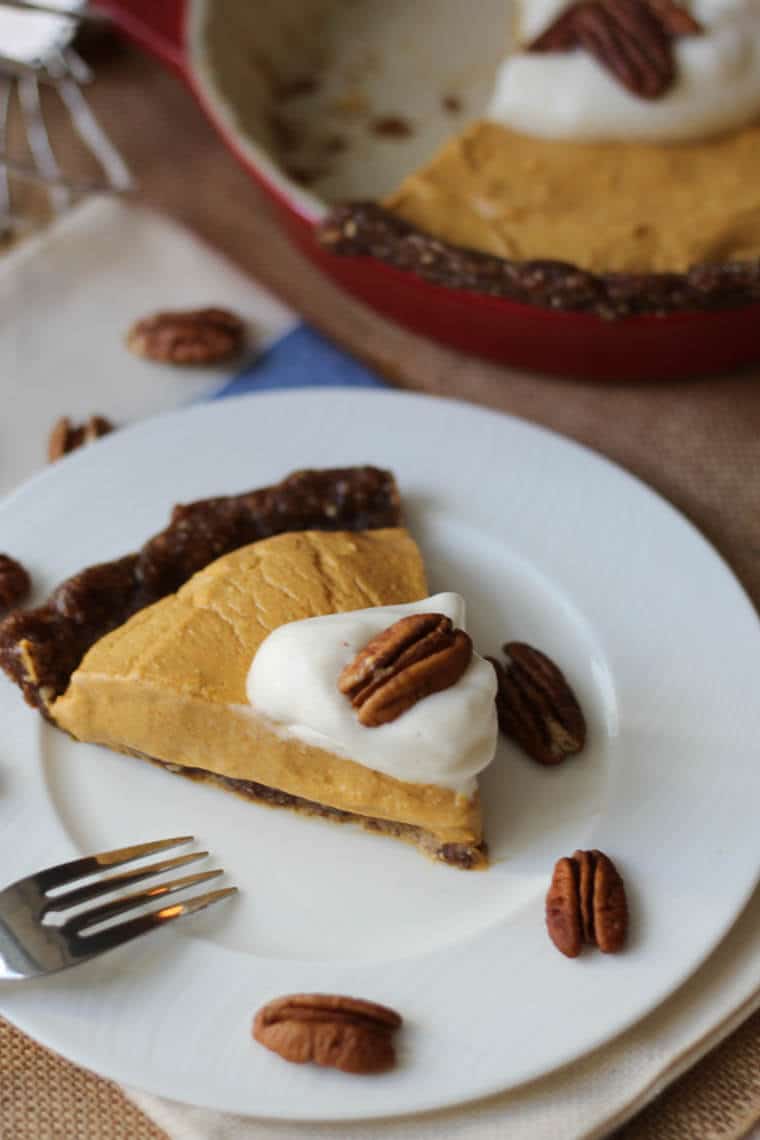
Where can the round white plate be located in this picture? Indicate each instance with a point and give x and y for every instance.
(549, 544)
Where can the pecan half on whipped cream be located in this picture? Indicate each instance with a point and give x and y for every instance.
(415, 657)
(632, 39)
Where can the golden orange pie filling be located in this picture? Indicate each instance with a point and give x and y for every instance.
(605, 207)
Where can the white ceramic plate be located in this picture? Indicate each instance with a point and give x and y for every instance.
(549, 544)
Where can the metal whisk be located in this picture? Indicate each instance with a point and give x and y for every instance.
(36, 47)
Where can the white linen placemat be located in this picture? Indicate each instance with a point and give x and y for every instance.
(66, 299)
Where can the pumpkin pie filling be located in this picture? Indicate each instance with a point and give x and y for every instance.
(605, 207)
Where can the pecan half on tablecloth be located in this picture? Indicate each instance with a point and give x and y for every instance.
(195, 336)
(66, 436)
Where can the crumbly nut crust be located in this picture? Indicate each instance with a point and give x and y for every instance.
(365, 229)
(41, 648)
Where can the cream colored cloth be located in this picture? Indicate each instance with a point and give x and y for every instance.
(66, 299)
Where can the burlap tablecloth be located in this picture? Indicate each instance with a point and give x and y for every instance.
(696, 442)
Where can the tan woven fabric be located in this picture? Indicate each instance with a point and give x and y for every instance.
(697, 443)
(719, 1098)
(45, 1098)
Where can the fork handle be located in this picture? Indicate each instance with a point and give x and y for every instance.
(158, 26)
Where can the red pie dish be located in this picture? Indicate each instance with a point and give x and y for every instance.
(386, 106)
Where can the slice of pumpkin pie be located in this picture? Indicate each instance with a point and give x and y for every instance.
(239, 677)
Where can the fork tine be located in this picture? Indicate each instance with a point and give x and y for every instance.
(75, 66)
(28, 89)
(115, 882)
(16, 67)
(77, 869)
(30, 173)
(108, 910)
(92, 134)
(91, 944)
(5, 190)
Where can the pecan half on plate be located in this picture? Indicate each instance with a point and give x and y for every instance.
(536, 706)
(586, 903)
(416, 656)
(343, 1032)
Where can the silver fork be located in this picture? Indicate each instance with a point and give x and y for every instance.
(31, 947)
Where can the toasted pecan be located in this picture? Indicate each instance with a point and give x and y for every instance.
(66, 436)
(194, 336)
(416, 656)
(342, 1032)
(536, 706)
(586, 903)
(632, 39)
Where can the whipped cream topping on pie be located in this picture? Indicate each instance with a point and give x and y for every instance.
(568, 95)
(445, 739)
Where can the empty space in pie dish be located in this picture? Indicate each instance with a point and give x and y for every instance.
(313, 889)
(347, 97)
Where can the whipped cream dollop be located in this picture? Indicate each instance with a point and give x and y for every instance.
(569, 95)
(445, 739)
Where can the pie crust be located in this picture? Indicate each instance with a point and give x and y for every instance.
(41, 648)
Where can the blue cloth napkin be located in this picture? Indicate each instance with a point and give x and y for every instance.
(301, 359)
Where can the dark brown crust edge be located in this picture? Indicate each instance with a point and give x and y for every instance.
(365, 229)
(41, 648)
(466, 857)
